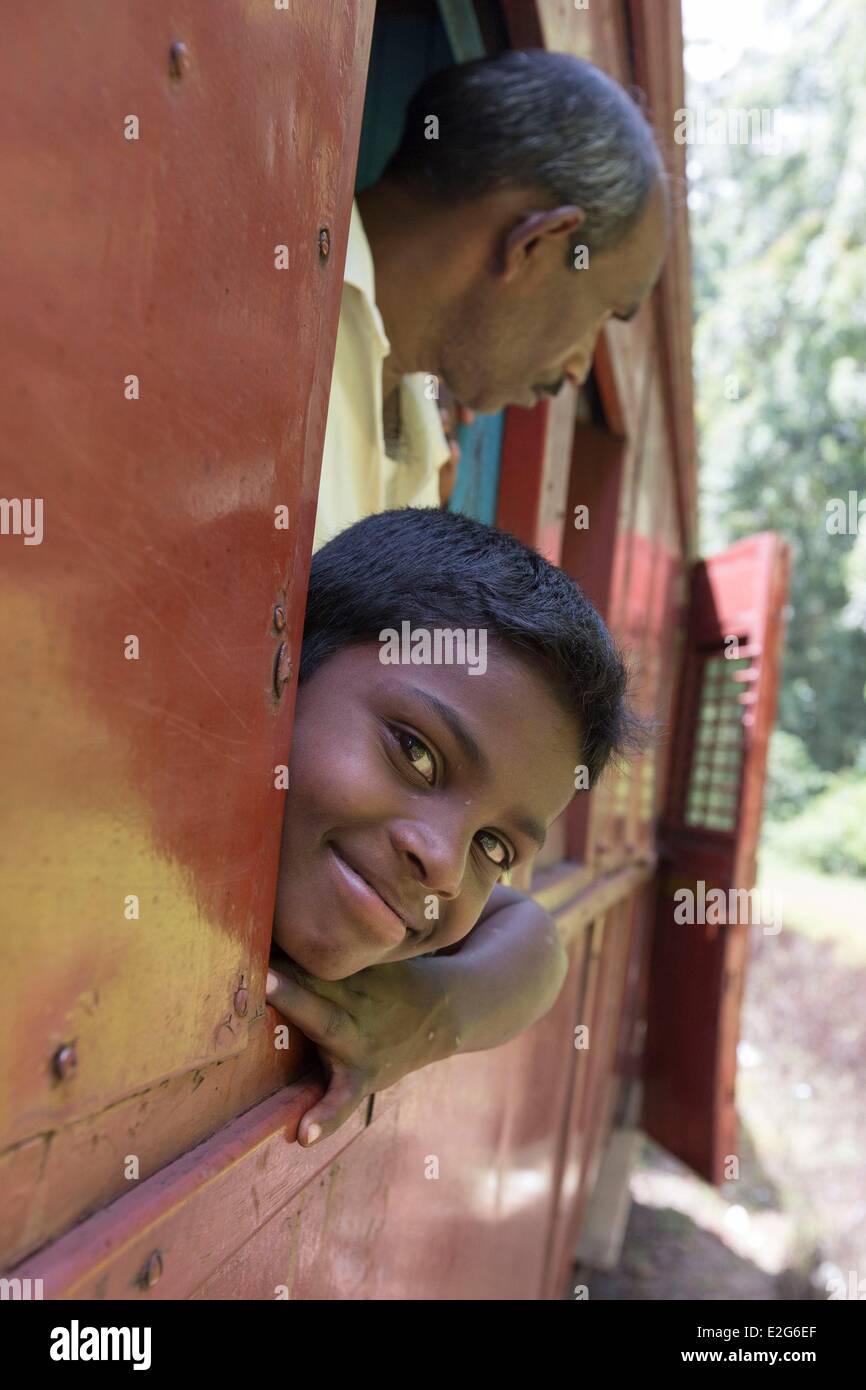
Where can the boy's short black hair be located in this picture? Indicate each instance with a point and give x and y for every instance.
(435, 568)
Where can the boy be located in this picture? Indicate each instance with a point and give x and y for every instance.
(451, 683)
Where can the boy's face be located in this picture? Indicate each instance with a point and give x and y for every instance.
(411, 789)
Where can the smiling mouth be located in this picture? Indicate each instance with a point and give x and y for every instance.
(368, 905)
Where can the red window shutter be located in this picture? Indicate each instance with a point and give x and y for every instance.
(726, 708)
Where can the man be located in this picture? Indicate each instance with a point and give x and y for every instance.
(525, 205)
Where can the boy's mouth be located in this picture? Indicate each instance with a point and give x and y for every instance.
(365, 901)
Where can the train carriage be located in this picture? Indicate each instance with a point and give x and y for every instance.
(181, 182)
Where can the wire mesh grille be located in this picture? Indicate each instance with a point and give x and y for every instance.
(713, 795)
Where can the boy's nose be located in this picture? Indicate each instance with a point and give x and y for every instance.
(435, 857)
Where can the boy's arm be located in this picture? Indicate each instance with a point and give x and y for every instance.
(507, 973)
(389, 1020)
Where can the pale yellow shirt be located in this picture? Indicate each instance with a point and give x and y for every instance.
(358, 476)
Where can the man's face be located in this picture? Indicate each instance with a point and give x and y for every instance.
(512, 342)
(411, 789)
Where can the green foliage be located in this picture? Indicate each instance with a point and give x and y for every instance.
(830, 834)
(779, 244)
(793, 780)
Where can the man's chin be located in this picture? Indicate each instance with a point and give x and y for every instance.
(525, 396)
(490, 403)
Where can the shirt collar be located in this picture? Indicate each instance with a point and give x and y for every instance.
(360, 274)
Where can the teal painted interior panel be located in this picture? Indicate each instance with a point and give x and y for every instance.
(405, 50)
(477, 487)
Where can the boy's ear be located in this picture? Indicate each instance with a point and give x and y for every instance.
(534, 231)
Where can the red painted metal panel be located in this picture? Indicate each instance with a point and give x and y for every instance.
(587, 950)
(56, 1179)
(165, 388)
(598, 462)
(521, 471)
(248, 1214)
(243, 1212)
(594, 1086)
(195, 1214)
(697, 970)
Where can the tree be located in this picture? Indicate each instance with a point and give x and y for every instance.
(779, 241)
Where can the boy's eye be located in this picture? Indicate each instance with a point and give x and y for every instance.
(495, 850)
(419, 755)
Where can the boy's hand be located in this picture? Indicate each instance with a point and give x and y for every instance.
(388, 1020)
(370, 1029)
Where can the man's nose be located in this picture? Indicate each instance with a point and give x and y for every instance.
(433, 854)
(577, 369)
(579, 364)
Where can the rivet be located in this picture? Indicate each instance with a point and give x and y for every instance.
(279, 618)
(324, 243)
(282, 667)
(152, 1270)
(65, 1061)
(179, 60)
(241, 1002)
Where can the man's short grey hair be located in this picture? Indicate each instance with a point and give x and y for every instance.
(532, 119)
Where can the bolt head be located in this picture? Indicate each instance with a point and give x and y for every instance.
(178, 60)
(242, 1000)
(65, 1061)
(324, 243)
(279, 618)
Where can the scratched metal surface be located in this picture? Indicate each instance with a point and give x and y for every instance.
(155, 777)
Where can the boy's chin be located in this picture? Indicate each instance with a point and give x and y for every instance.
(320, 959)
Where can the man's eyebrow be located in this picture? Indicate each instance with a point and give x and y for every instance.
(451, 719)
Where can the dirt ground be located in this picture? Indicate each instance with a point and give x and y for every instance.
(793, 1225)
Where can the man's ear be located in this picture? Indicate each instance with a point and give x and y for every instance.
(529, 233)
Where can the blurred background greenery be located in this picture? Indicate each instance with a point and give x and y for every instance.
(779, 263)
